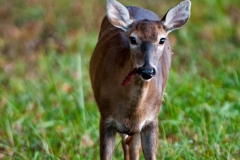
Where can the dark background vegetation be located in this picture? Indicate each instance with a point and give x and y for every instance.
(47, 109)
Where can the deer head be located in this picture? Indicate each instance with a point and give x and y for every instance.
(146, 37)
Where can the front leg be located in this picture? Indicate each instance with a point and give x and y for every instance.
(149, 136)
(107, 140)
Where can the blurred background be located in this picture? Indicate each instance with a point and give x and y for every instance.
(47, 108)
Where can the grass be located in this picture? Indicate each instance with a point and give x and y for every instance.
(47, 105)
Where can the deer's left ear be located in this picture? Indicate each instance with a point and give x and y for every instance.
(177, 16)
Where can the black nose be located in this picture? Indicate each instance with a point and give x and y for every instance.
(146, 73)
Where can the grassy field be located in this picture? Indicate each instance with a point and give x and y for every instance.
(47, 108)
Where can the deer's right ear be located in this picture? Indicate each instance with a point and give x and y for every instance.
(118, 15)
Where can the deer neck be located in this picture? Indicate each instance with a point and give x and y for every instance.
(138, 91)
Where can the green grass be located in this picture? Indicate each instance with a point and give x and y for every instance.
(47, 108)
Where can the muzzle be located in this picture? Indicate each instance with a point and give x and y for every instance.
(146, 72)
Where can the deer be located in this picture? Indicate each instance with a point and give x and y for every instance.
(129, 69)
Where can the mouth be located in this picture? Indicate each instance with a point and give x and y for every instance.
(130, 76)
(146, 74)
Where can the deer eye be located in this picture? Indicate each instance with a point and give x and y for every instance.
(133, 40)
(162, 40)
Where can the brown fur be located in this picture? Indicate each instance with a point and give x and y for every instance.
(125, 108)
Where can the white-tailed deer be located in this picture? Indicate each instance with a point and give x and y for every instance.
(129, 69)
